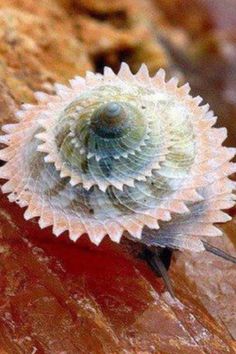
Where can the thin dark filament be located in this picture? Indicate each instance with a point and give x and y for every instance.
(157, 265)
(218, 252)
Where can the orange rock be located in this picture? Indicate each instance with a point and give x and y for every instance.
(214, 281)
(33, 55)
(62, 297)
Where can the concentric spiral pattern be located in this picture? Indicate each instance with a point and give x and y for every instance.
(120, 154)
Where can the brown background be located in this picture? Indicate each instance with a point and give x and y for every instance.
(58, 297)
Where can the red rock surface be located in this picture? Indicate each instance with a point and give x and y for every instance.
(57, 296)
(60, 297)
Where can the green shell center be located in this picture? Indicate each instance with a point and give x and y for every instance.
(113, 135)
(112, 120)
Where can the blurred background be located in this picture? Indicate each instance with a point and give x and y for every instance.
(65, 298)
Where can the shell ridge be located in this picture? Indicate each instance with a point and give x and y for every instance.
(157, 172)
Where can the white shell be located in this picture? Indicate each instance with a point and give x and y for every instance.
(163, 181)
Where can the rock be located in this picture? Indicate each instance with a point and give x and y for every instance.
(213, 280)
(33, 55)
(64, 297)
(132, 39)
(60, 296)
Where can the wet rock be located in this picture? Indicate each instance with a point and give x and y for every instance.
(62, 297)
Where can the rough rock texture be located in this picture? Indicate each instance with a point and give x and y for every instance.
(60, 297)
(215, 280)
(37, 47)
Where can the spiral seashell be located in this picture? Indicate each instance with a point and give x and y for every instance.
(120, 155)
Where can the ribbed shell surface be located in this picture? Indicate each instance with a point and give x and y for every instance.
(158, 173)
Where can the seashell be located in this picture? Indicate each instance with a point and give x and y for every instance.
(117, 155)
